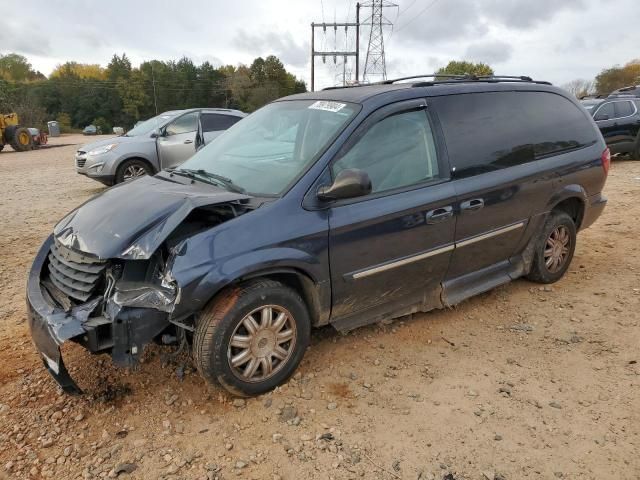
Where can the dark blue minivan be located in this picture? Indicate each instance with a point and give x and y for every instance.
(344, 207)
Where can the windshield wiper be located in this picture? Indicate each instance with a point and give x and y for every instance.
(219, 179)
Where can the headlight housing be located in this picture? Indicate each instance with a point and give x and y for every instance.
(102, 149)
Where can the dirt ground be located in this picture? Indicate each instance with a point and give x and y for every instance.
(521, 382)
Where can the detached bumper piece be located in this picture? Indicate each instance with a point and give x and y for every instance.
(121, 329)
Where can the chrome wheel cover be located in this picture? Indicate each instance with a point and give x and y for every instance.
(557, 249)
(262, 343)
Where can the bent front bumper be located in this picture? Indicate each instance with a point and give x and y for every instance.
(49, 325)
(123, 332)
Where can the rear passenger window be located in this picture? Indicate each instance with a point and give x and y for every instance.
(214, 122)
(623, 109)
(490, 131)
(396, 152)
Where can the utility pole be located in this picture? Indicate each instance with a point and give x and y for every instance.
(153, 81)
(335, 53)
(374, 65)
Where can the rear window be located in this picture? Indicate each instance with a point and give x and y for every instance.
(494, 130)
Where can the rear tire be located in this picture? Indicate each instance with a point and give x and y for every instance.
(252, 337)
(21, 140)
(554, 250)
(132, 169)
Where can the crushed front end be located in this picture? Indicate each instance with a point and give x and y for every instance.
(108, 306)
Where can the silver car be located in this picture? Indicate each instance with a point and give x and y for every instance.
(158, 143)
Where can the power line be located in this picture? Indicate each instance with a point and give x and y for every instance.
(416, 16)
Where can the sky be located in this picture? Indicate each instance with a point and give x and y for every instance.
(554, 40)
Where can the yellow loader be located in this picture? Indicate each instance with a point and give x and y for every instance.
(11, 133)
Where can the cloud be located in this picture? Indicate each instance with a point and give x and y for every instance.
(283, 45)
(490, 52)
(441, 21)
(23, 38)
(525, 14)
(444, 21)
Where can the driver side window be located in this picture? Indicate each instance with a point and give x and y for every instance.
(396, 152)
(605, 112)
(185, 124)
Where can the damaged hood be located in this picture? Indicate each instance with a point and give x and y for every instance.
(131, 220)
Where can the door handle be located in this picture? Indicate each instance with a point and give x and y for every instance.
(472, 205)
(188, 141)
(439, 215)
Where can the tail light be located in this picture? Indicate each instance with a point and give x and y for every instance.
(606, 160)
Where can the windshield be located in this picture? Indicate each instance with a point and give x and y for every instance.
(149, 125)
(266, 151)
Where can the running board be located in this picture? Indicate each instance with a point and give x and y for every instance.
(458, 289)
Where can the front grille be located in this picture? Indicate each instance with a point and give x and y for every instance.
(75, 274)
(80, 159)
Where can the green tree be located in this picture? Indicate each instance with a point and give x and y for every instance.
(611, 79)
(16, 68)
(64, 119)
(119, 67)
(81, 70)
(122, 94)
(462, 67)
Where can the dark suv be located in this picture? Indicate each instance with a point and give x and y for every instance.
(618, 118)
(344, 207)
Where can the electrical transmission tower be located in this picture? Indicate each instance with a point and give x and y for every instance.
(374, 66)
(335, 53)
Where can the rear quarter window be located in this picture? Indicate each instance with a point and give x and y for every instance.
(494, 130)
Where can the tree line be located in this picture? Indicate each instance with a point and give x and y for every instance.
(79, 94)
(608, 80)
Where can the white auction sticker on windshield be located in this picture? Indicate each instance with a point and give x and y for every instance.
(328, 106)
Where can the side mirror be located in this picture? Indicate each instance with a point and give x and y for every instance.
(349, 183)
(157, 133)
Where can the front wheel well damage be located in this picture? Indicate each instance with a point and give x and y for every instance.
(295, 279)
(574, 207)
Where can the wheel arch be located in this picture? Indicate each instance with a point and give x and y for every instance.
(574, 207)
(572, 199)
(140, 158)
(299, 281)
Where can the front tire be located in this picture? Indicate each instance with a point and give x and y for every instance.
(132, 169)
(252, 337)
(554, 249)
(22, 140)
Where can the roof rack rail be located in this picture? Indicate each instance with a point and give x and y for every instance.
(444, 78)
(428, 75)
(465, 77)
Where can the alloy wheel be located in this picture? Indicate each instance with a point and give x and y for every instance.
(262, 343)
(133, 171)
(557, 248)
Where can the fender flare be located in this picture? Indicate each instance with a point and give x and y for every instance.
(273, 262)
(568, 192)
